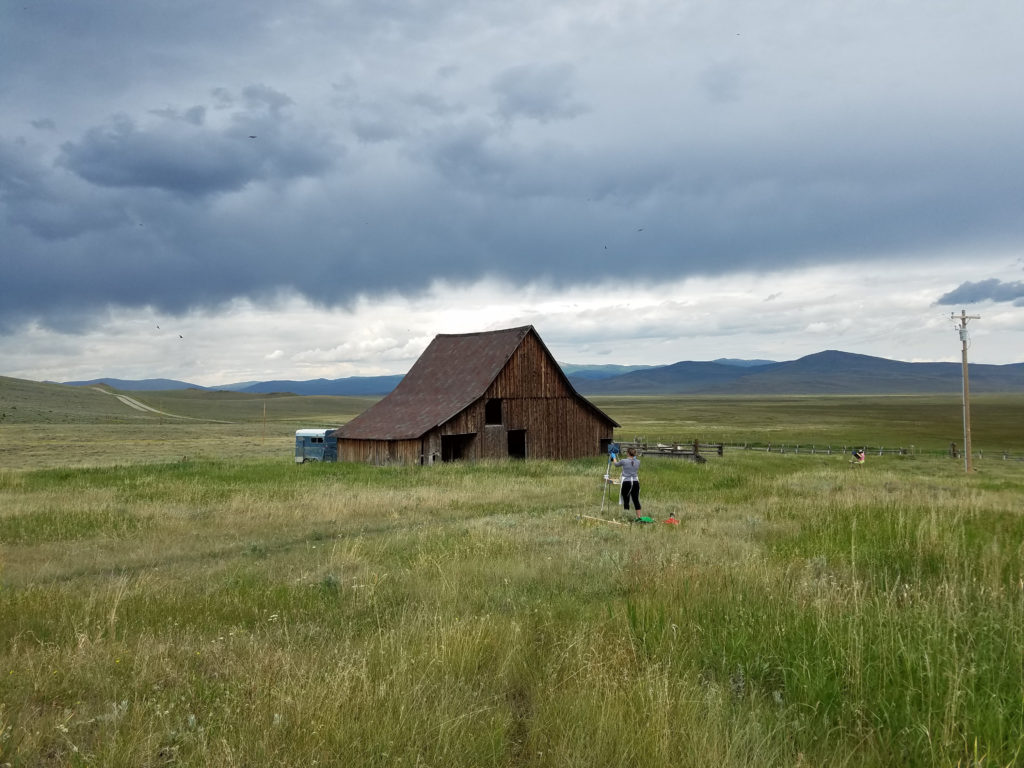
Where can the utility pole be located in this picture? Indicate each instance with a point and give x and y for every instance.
(963, 318)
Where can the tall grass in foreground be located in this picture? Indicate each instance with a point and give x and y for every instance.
(244, 613)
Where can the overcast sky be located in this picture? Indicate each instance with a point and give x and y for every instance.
(227, 191)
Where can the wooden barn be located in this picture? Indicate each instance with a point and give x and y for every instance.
(495, 394)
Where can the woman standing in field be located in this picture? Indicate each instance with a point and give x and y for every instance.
(630, 480)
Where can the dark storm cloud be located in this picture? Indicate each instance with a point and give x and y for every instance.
(188, 155)
(472, 203)
(985, 290)
(46, 201)
(181, 154)
(191, 163)
(710, 208)
(537, 91)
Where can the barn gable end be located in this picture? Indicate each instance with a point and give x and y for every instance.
(495, 394)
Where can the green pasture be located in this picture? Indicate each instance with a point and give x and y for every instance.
(179, 592)
(51, 425)
(41, 404)
(55, 425)
(926, 422)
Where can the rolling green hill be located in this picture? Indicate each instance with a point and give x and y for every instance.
(31, 402)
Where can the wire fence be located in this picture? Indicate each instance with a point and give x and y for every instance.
(692, 448)
(870, 450)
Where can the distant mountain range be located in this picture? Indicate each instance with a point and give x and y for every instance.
(599, 371)
(352, 385)
(134, 385)
(829, 372)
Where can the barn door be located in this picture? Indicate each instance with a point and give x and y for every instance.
(517, 443)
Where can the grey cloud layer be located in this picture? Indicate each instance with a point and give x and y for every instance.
(182, 155)
(985, 290)
(561, 145)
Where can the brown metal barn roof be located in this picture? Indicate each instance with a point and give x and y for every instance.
(453, 372)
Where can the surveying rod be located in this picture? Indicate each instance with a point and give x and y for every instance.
(613, 451)
(963, 318)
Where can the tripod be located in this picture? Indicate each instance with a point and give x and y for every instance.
(613, 451)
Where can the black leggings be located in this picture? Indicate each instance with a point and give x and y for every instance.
(631, 490)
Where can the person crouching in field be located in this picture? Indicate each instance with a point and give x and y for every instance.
(858, 457)
(630, 480)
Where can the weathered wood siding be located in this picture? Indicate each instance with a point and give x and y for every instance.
(530, 372)
(380, 451)
(494, 441)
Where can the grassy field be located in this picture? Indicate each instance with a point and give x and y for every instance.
(210, 603)
(54, 425)
(50, 425)
(927, 422)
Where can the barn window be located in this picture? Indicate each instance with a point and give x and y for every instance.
(492, 411)
(456, 447)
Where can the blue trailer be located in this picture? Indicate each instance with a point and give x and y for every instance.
(316, 445)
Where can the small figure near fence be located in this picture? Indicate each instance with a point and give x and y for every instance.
(858, 457)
